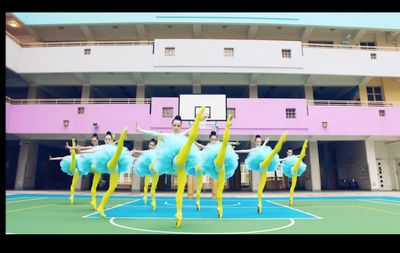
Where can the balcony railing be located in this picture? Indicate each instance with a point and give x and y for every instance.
(149, 42)
(79, 101)
(352, 103)
(80, 43)
(342, 46)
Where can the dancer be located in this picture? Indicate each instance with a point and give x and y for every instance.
(144, 167)
(263, 159)
(68, 165)
(114, 160)
(258, 142)
(219, 161)
(86, 165)
(175, 154)
(292, 167)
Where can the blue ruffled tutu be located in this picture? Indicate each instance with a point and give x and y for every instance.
(208, 155)
(142, 164)
(287, 166)
(194, 171)
(66, 163)
(101, 157)
(84, 163)
(168, 149)
(255, 157)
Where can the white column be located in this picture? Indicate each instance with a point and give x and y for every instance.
(253, 90)
(26, 170)
(196, 88)
(140, 91)
(314, 166)
(255, 180)
(308, 90)
(135, 178)
(372, 168)
(83, 181)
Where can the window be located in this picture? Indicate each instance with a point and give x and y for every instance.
(81, 110)
(87, 51)
(370, 45)
(374, 94)
(169, 51)
(286, 53)
(382, 113)
(231, 111)
(373, 56)
(167, 112)
(290, 113)
(228, 52)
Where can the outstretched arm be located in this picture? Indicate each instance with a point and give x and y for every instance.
(187, 132)
(201, 146)
(234, 143)
(266, 141)
(56, 158)
(151, 133)
(244, 150)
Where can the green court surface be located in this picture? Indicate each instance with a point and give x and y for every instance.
(53, 214)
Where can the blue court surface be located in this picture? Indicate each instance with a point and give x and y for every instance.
(234, 208)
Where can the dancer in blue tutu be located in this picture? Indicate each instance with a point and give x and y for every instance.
(85, 165)
(86, 162)
(292, 167)
(109, 159)
(144, 167)
(263, 159)
(219, 161)
(68, 165)
(175, 153)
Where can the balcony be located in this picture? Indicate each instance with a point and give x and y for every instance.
(253, 116)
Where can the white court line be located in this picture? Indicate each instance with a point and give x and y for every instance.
(112, 207)
(292, 222)
(237, 204)
(216, 218)
(17, 198)
(8, 202)
(379, 202)
(294, 209)
(173, 206)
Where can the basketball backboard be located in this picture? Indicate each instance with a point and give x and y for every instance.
(215, 106)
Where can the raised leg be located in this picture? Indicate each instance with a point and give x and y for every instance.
(264, 165)
(114, 160)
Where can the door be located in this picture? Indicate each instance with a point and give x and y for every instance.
(385, 181)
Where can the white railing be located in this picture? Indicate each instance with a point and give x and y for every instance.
(352, 103)
(330, 46)
(79, 101)
(150, 42)
(81, 43)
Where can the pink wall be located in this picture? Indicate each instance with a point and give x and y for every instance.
(354, 120)
(49, 118)
(253, 116)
